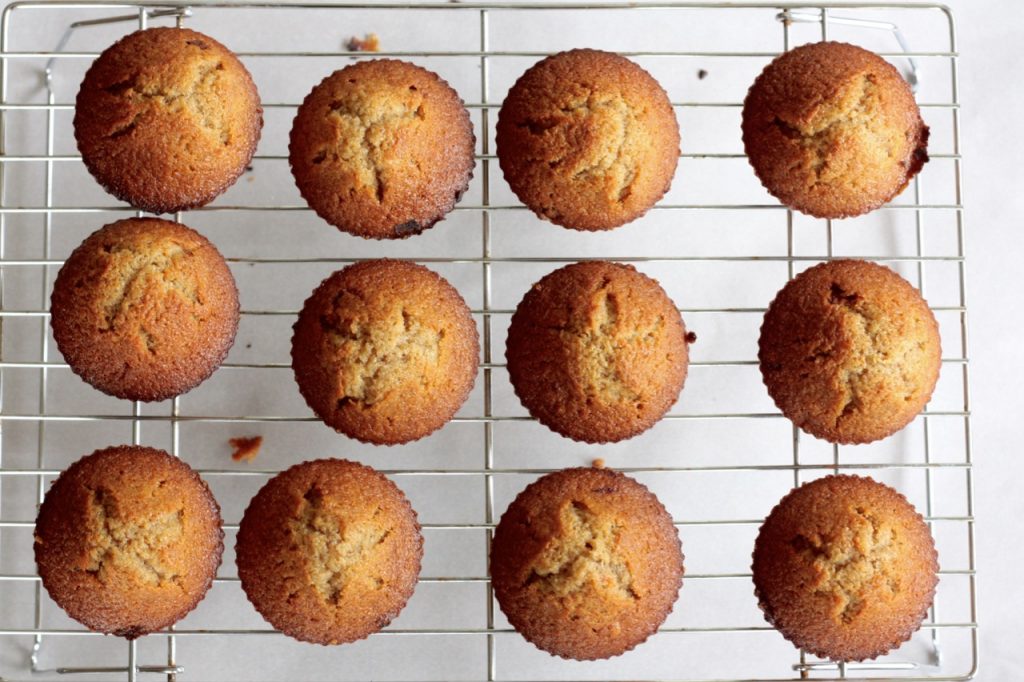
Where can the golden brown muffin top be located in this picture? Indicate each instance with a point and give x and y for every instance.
(586, 563)
(833, 130)
(329, 551)
(144, 309)
(588, 140)
(128, 540)
(845, 568)
(849, 351)
(597, 351)
(167, 118)
(382, 149)
(385, 351)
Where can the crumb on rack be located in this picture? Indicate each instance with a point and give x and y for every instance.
(598, 463)
(702, 74)
(691, 337)
(246, 448)
(368, 43)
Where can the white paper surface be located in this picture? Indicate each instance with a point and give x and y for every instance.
(459, 499)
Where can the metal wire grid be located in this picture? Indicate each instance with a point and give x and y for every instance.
(483, 109)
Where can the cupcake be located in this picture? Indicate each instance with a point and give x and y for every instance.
(597, 351)
(849, 351)
(833, 130)
(588, 140)
(167, 119)
(845, 568)
(382, 149)
(586, 563)
(385, 351)
(144, 309)
(128, 540)
(329, 551)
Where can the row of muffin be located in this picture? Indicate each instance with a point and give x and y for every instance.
(386, 351)
(586, 563)
(167, 118)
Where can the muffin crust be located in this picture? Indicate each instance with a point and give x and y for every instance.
(329, 551)
(588, 140)
(597, 351)
(128, 540)
(144, 309)
(167, 119)
(382, 149)
(849, 351)
(845, 568)
(385, 351)
(586, 563)
(833, 130)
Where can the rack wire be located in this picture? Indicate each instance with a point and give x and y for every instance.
(40, 430)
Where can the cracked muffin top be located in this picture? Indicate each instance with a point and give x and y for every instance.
(597, 351)
(588, 140)
(144, 309)
(382, 149)
(385, 351)
(329, 551)
(167, 119)
(586, 563)
(833, 130)
(849, 351)
(845, 568)
(128, 540)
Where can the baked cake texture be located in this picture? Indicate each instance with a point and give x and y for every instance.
(382, 149)
(597, 351)
(845, 568)
(128, 540)
(144, 309)
(586, 563)
(385, 351)
(833, 130)
(849, 351)
(329, 551)
(167, 119)
(588, 140)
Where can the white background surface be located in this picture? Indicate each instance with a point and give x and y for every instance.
(990, 39)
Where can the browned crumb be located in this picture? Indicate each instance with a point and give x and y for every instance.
(598, 463)
(691, 337)
(702, 74)
(246, 448)
(368, 43)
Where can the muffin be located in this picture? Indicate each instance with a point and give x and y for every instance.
(329, 551)
(167, 119)
(385, 351)
(849, 351)
(833, 130)
(845, 568)
(588, 140)
(382, 149)
(144, 309)
(586, 563)
(597, 351)
(128, 540)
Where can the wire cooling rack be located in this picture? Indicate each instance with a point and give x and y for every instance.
(718, 243)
